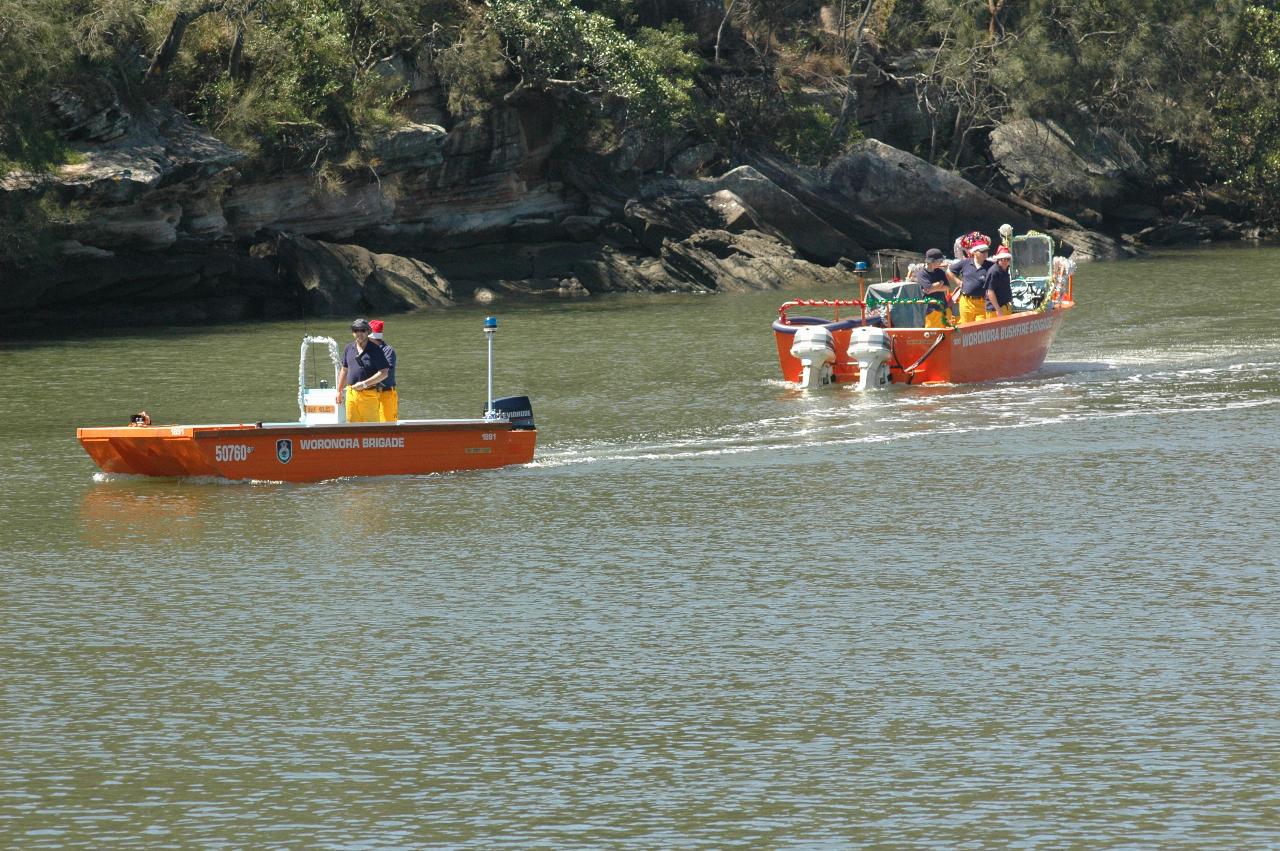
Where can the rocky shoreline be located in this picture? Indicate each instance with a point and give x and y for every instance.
(163, 228)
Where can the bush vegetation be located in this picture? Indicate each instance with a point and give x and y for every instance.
(1192, 83)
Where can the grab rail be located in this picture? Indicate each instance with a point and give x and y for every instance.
(835, 303)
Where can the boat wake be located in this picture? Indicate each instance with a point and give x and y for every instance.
(1080, 392)
(131, 478)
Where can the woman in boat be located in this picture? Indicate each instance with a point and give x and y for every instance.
(999, 286)
(363, 366)
(970, 274)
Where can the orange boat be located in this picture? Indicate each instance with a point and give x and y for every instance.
(887, 343)
(319, 446)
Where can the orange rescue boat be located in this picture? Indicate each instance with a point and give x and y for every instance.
(320, 445)
(887, 343)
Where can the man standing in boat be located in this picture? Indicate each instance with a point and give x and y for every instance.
(970, 274)
(363, 366)
(388, 399)
(999, 286)
(932, 279)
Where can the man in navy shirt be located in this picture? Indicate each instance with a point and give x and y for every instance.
(388, 398)
(363, 366)
(999, 287)
(971, 273)
(932, 279)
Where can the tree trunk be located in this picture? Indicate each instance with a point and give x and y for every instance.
(841, 130)
(1043, 212)
(994, 7)
(168, 50)
(237, 52)
(720, 30)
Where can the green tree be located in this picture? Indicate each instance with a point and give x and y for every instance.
(1245, 142)
(36, 53)
(552, 45)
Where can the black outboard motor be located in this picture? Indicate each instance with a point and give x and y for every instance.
(518, 409)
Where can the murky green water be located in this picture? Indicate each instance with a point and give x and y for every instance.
(713, 613)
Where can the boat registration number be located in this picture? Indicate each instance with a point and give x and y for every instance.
(232, 452)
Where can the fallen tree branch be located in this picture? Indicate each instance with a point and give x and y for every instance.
(1043, 212)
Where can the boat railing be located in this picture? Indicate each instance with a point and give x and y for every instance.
(332, 346)
(837, 303)
(834, 303)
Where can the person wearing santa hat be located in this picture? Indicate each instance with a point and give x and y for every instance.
(999, 286)
(388, 398)
(970, 275)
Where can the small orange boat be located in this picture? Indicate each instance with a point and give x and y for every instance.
(886, 343)
(319, 446)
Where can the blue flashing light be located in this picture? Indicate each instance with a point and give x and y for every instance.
(491, 323)
(860, 266)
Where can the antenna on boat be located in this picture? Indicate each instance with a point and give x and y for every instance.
(490, 328)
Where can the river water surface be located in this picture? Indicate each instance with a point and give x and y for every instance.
(714, 612)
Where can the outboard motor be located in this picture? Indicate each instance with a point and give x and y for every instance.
(816, 350)
(871, 348)
(517, 409)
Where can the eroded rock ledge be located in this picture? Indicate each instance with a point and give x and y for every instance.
(164, 228)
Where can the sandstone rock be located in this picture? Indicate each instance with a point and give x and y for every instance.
(473, 197)
(1186, 232)
(161, 181)
(348, 279)
(89, 111)
(612, 271)
(1088, 217)
(862, 224)
(934, 205)
(541, 268)
(1084, 245)
(718, 261)
(150, 224)
(733, 211)
(1221, 227)
(1142, 215)
(92, 288)
(582, 228)
(671, 217)
(619, 235)
(162, 150)
(690, 161)
(72, 248)
(294, 203)
(532, 287)
(409, 146)
(782, 213)
(1043, 161)
(535, 229)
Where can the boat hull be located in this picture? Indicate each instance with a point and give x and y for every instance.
(1004, 347)
(294, 452)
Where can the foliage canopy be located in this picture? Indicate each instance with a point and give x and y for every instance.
(1192, 83)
